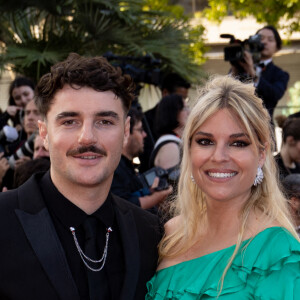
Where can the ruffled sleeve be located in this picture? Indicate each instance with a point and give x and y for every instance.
(266, 268)
(275, 265)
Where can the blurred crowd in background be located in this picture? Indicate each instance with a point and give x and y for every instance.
(155, 135)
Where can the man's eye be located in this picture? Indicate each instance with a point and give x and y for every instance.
(240, 144)
(105, 122)
(204, 142)
(69, 122)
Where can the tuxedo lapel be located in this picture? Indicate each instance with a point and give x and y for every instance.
(40, 232)
(129, 236)
(42, 236)
(268, 70)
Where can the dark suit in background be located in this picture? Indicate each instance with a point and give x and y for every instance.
(272, 86)
(126, 183)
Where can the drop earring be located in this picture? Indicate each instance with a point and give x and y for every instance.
(192, 178)
(259, 177)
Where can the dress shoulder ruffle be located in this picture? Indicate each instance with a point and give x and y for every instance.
(267, 267)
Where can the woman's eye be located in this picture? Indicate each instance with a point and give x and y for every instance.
(204, 142)
(240, 144)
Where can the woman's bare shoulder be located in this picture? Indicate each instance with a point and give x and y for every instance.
(172, 225)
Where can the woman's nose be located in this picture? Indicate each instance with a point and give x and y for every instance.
(220, 153)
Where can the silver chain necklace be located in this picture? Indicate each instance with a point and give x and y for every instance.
(87, 259)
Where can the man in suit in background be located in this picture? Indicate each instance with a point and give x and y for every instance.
(126, 182)
(63, 235)
(270, 81)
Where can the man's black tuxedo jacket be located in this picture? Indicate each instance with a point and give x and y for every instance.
(272, 85)
(32, 261)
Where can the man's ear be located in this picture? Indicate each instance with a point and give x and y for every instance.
(44, 133)
(126, 131)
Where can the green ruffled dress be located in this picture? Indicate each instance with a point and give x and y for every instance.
(267, 269)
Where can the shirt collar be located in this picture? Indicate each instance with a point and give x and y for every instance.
(265, 62)
(68, 214)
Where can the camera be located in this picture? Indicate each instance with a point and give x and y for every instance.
(8, 134)
(235, 51)
(165, 177)
(148, 177)
(144, 69)
(25, 150)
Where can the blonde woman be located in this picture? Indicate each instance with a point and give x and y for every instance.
(232, 236)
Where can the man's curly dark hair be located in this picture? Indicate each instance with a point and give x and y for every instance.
(78, 71)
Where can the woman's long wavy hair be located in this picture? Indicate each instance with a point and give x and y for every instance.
(226, 92)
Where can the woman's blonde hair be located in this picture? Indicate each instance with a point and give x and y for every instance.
(226, 92)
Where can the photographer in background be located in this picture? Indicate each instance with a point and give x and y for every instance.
(24, 148)
(21, 91)
(40, 162)
(270, 81)
(126, 183)
(24, 151)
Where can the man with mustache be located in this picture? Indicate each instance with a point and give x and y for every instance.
(63, 235)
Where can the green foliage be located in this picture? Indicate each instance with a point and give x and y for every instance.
(264, 11)
(35, 34)
(294, 101)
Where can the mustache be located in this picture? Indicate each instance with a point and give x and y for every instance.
(85, 149)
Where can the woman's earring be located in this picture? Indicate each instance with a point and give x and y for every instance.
(259, 177)
(192, 178)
